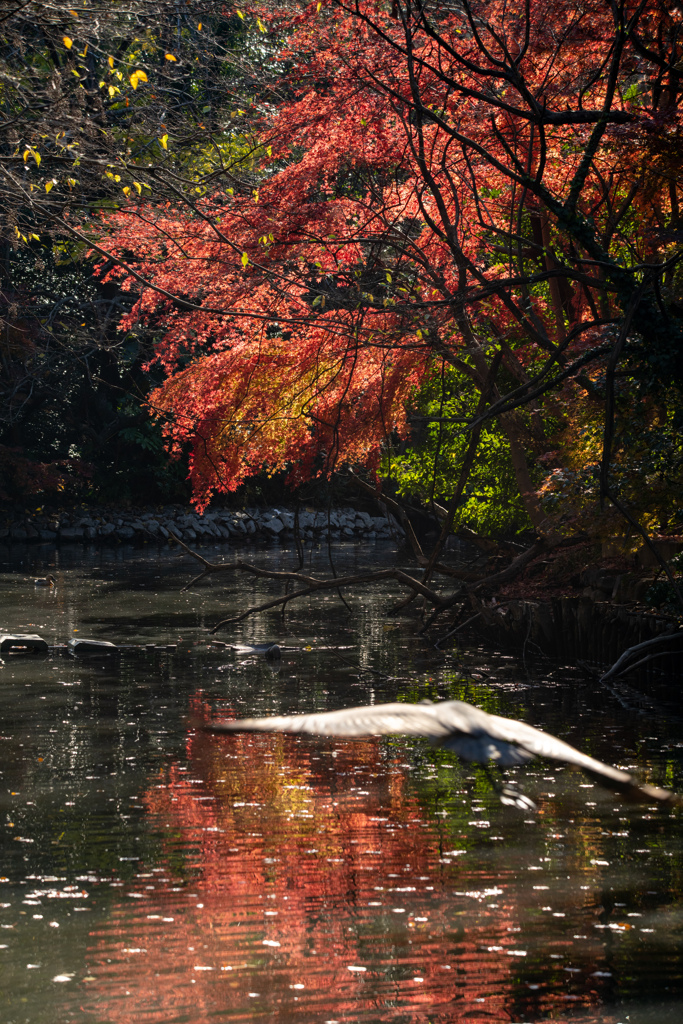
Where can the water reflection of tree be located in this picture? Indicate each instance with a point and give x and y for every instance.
(296, 873)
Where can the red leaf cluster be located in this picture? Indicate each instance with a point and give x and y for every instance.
(437, 184)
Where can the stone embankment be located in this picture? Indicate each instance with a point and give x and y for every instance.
(99, 526)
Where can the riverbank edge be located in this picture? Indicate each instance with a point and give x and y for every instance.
(609, 608)
(569, 627)
(218, 526)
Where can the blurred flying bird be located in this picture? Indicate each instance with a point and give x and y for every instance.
(473, 734)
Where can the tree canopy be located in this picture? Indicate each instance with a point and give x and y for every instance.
(411, 191)
(491, 188)
(88, 96)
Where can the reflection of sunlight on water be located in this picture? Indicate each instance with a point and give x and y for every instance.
(287, 893)
(150, 878)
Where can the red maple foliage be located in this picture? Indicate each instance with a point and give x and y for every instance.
(440, 182)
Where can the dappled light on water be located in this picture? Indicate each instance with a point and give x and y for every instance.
(153, 873)
(304, 881)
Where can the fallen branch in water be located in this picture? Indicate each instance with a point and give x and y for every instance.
(311, 583)
(623, 663)
(489, 583)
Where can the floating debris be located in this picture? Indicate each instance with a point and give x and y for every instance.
(22, 643)
(80, 646)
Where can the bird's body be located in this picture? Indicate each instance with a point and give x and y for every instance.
(473, 734)
(45, 581)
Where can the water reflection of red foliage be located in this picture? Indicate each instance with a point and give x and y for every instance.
(302, 881)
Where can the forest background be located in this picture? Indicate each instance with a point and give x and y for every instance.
(436, 246)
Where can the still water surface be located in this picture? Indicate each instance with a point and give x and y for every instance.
(152, 874)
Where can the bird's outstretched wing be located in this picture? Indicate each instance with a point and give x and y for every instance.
(374, 720)
(472, 733)
(543, 744)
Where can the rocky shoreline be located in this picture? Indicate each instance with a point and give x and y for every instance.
(221, 526)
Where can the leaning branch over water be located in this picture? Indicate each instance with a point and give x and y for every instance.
(311, 583)
(468, 591)
(625, 663)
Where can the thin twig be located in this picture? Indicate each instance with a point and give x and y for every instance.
(399, 512)
(609, 386)
(465, 469)
(467, 622)
(360, 670)
(644, 661)
(649, 543)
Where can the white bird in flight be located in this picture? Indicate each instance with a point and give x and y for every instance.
(473, 734)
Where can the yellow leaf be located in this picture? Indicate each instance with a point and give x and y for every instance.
(36, 156)
(117, 177)
(318, 8)
(240, 14)
(72, 182)
(27, 153)
(199, 27)
(75, 13)
(138, 187)
(112, 91)
(164, 141)
(67, 42)
(142, 76)
(34, 235)
(245, 259)
(49, 185)
(169, 56)
(102, 85)
(126, 190)
(85, 51)
(134, 80)
(111, 62)
(262, 27)
(269, 150)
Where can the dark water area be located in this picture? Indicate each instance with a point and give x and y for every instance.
(152, 873)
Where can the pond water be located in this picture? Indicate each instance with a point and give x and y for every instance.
(152, 873)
